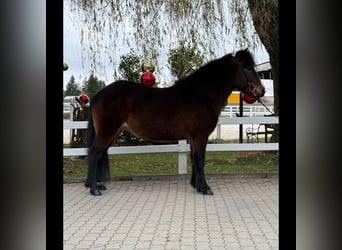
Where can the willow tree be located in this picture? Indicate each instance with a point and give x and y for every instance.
(265, 16)
(109, 26)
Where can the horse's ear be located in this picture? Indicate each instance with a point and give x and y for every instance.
(246, 49)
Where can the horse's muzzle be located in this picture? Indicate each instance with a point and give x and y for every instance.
(255, 92)
(261, 93)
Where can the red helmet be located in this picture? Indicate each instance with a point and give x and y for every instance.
(83, 98)
(148, 79)
(249, 99)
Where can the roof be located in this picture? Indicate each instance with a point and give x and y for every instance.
(68, 97)
(263, 67)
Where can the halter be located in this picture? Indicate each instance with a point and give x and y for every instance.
(263, 104)
(251, 88)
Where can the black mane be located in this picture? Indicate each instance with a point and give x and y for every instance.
(245, 58)
(208, 72)
(212, 71)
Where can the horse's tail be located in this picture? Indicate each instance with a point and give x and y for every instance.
(102, 173)
(91, 129)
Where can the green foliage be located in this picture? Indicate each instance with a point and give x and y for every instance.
(72, 88)
(129, 67)
(126, 138)
(184, 59)
(92, 85)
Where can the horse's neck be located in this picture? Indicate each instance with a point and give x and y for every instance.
(218, 96)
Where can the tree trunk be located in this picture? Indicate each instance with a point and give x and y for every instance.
(265, 16)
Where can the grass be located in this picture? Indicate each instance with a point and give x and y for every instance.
(166, 163)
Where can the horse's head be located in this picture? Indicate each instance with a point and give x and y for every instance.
(247, 79)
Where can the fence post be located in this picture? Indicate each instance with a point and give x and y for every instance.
(182, 157)
(218, 135)
(79, 113)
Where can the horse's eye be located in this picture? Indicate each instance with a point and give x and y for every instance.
(249, 68)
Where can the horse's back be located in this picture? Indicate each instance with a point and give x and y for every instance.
(131, 96)
(113, 91)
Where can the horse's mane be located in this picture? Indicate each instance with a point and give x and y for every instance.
(213, 69)
(208, 71)
(245, 57)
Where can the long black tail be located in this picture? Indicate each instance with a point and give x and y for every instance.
(102, 171)
(91, 129)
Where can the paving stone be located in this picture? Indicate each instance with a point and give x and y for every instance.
(69, 247)
(168, 214)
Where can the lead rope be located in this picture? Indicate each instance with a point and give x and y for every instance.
(265, 106)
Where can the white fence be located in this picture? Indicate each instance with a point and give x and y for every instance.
(248, 110)
(230, 110)
(182, 147)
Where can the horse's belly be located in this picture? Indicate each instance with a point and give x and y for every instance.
(158, 130)
(170, 127)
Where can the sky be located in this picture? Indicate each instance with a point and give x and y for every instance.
(80, 68)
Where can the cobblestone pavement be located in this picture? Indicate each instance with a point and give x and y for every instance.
(166, 213)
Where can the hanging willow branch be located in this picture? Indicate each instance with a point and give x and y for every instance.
(150, 26)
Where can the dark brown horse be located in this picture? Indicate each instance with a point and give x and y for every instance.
(187, 110)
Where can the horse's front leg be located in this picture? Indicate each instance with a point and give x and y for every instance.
(201, 183)
(193, 169)
(198, 158)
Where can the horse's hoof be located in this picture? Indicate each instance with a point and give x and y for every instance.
(87, 185)
(101, 187)
(207, 192)
(193, 185)
(95, 192)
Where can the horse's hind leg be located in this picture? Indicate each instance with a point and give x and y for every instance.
(98, 162)
(93, 159)
(96, 156)
(198, 147)
(102, 171)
